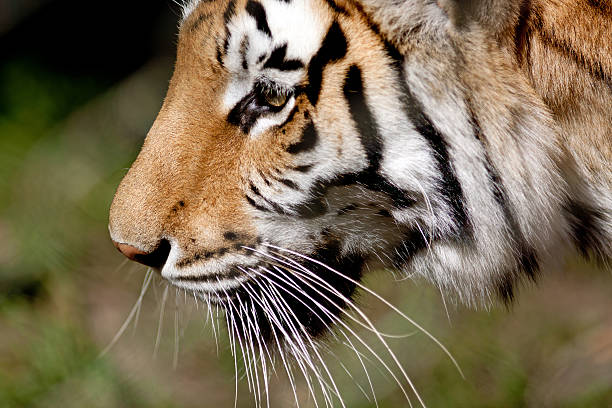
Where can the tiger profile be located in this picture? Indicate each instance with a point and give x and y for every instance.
(305, 142)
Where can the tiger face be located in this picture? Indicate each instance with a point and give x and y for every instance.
(267, 147)
(304, 142)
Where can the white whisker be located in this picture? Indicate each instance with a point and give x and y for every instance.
(292, 263)
(261, 300)
(284, 308)
(363, 316)
(176, 332)
(134, 312)
(299, 352)
(160, 322)
(343, 324)
(383, 300)
(324, 310)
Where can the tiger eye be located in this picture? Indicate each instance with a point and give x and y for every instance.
(275, 99)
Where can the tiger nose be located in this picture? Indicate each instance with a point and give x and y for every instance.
(155, 259)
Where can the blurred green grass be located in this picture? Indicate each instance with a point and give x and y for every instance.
(64, 291)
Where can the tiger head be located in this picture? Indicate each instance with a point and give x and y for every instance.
(298, 147)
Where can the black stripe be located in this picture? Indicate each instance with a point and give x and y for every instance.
(334, 6)
(230, 11)
(384, 213)
(277, 60)
(319, 190)
(244, 48)
(287, 183)
(363, 117)
(264, 178)
(277, 208)
(586, 227)
(601, 6)
(256, 10)
(226, 43)
(334, 48)
(450, 189)
(595, 68)
(521, 32)
(505, 289)
(309, 209)
(255, 205)
(255, 190)
(195, 25)
(527, 259)
(307, 142)
(220, 55)
(303, 169)
(370, 140)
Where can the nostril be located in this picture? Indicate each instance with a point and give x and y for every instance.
(155, 259)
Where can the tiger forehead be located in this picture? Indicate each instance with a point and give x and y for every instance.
(197, 12)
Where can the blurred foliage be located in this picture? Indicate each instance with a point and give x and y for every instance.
(58, 171)
(64, 292)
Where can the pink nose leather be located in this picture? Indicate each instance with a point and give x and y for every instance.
(129, 251)
(155, 259)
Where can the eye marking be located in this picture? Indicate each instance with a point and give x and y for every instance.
(277, 60)
(266, 98)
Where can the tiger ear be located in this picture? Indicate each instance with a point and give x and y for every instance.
(492, 15)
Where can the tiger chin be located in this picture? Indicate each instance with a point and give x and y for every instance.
(303, 143)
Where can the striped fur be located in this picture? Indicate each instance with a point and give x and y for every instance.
(470, 145)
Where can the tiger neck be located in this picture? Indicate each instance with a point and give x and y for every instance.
(522, 107)
(564, 49)
(499, 141)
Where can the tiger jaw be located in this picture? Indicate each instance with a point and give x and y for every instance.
(316, 288)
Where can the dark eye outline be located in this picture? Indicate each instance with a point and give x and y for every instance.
(254, 105)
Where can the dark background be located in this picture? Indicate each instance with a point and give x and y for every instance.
(80, 84)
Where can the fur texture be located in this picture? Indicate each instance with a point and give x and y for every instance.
(469, 142)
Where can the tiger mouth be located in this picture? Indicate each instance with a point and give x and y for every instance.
(308, 299)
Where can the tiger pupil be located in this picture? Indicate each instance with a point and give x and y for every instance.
(275, 99)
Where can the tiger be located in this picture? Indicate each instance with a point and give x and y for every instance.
(303, 143)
